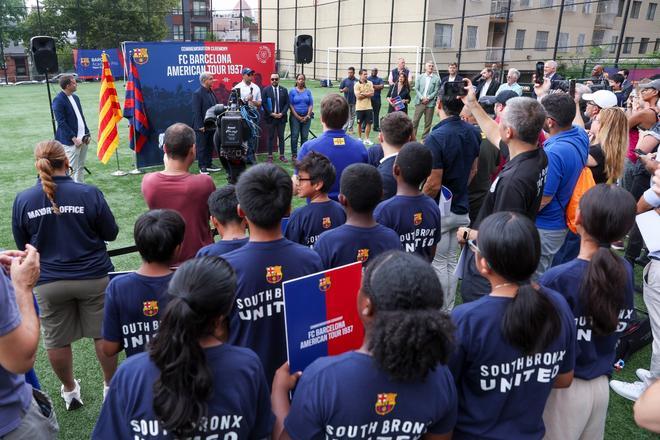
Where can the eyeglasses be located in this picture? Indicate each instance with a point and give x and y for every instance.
(300, 179)
(473, 246)
(274, 79)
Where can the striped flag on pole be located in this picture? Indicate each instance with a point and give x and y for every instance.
(109, 114)
(135, 110)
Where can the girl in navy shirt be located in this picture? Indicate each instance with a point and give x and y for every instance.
(513, 345)
(394, 386)
(190, 384)
(598, 286)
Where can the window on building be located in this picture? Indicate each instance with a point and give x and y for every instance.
(524, 3)
(177, 10)
(541, 42)
(586, 8)
(656, 48)
(627, 45)
(199, 32)
(613, 44)
(520, 39)
(200, 7)
(443, 34)
(650, 13)
(21, 69)
(643, 45)
(547, 3)
(580, 43)
(471, 37)
(177, 32)
(634, 10)
(619, 9)
(562, 44)
(598, 37)
(569, 5)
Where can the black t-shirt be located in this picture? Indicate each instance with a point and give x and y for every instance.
(598, 171)
(519, 187)
(489, 159)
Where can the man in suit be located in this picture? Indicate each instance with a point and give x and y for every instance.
(203, 99)
(486, 83)
(72, 131)
(276, 105)
(427, 87)
(550, 71)
(452, 73)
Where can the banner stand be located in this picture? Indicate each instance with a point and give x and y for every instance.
(119, 172)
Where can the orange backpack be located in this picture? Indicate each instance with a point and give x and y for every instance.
(584, 183)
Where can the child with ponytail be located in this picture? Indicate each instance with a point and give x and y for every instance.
(190, 383)
(598, 286)
(513, 345)
(395, 385)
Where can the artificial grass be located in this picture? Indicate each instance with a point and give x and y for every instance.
(25, 120)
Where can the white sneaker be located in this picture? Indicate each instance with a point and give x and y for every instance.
(72, 399)
(644, 375)
(368, 142)
(105, 390)
(630, 391)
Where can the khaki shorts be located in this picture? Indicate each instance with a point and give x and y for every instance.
(70, 310)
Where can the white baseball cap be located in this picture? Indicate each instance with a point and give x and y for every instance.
(602, 98)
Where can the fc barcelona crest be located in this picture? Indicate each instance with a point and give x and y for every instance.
(150, 308)
(274, 274)
(363, 254)
(325, 283)
(326, 222)
(140, 55)
(417, 219)
(385, 403)
(84, 62)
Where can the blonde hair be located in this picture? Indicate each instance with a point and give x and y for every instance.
(613, 139)
(49, 156)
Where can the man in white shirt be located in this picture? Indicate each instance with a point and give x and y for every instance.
(251, 95)
(72, 131)
(427, 88)
(486, 84)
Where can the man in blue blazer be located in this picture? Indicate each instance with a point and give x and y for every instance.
(276, 105)
(203, 99)
(72, 131)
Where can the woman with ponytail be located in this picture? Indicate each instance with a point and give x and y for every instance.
(190, 384)
(513, 345)
(395, 385)
(68, 223)
(598, 286)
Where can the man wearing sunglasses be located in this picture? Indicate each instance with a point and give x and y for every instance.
(276, 105)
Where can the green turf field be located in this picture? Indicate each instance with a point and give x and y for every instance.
(25, 120)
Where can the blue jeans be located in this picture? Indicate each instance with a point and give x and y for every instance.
(299, 130)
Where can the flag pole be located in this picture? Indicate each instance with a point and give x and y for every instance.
(119, 172)
(135, 170)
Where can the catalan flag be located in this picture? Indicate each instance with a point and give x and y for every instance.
(135, 110)
(109, 114)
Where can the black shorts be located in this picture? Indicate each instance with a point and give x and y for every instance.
(366, 116)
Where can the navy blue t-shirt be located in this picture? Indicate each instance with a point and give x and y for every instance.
(377, 81)
(221, 247)
(595, 352)
(257, 318)
(501, 391)
(454, 145)
(376, 154)
(239, 406)
(308, 222)
(348, 396)
(348, 244)
(134, 305)
(85, 223)
(415, 218)
(387, 176)
(350, 95)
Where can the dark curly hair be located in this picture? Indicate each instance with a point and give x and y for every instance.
(410, 334)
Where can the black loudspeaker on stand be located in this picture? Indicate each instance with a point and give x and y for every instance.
(44, 57)
(303, 49)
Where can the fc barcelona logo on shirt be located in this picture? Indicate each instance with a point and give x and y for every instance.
(326, 222)
(417, 219)
(274, 274)
(325, 283)
(385, 403)
(363, 255)
(150, 308)
(84, 62)
(140, 55)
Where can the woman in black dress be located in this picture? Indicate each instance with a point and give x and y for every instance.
(402, 90)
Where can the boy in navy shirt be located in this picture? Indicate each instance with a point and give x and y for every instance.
(257, 318)
(411, 214)
(361, 237)
(134, 302)
(316, 174)
(224, 217)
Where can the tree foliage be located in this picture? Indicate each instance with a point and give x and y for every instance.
(100, 24)
(12, 13)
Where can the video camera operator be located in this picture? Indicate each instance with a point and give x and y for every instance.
(250, 94)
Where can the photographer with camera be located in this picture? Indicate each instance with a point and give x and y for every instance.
(203, 99)
(250, 94)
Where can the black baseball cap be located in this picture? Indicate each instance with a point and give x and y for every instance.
(504, 96)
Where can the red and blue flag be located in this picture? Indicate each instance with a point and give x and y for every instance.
(135, 110)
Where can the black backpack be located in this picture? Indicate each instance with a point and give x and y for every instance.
(636, 336)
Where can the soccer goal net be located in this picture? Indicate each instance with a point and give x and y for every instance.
(384, 58)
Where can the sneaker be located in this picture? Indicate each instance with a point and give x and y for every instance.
(212, 169)
(283, 159)
(105, 390)
(628, 390)
(203, 171)
(270, 159)
(644, 375)
(617, 245)
(72, 399)
(368, 142)
(294, 158)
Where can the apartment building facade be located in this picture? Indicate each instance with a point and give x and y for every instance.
(190, 21)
